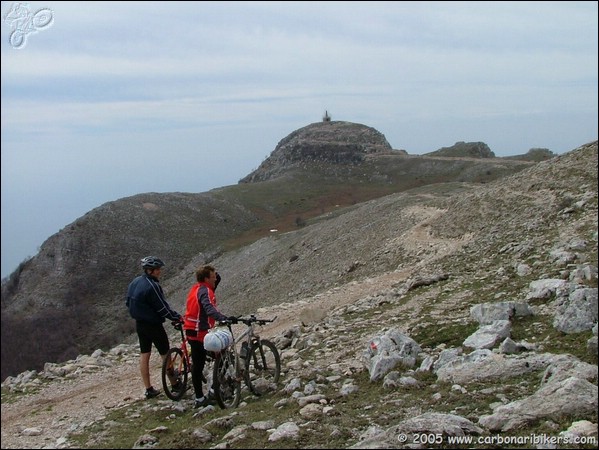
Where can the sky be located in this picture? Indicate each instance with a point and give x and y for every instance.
(105, 100)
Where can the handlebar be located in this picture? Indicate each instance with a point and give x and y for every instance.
(254, 319)
(248, 320)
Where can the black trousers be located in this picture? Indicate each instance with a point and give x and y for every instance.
(198, 357)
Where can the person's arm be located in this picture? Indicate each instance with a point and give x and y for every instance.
(209, 308)
(161, 305)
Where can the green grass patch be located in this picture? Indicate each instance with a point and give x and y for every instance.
(540, 330)
(433, 334)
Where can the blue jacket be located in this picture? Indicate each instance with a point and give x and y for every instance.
(146, 301)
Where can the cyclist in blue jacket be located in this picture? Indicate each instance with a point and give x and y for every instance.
(148, 306)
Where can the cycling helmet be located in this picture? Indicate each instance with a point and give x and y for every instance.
(151, 262)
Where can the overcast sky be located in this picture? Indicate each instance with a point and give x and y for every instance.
(104, 100)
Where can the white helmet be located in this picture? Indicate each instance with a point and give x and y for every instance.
(218, 339)
(151, 262)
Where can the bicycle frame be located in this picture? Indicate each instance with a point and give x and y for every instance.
(225, 379)
(176, 367)
(261, 361)
(260, 367)
(252, 337)
(249, 332)
(185, 347)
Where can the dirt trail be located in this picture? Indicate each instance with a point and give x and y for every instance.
(59, 408)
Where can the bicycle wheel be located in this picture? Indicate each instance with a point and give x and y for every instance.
(174, 368)
(262, 367)
(226, 382)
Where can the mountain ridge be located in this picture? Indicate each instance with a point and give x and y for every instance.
(494, 284)
(57, 280)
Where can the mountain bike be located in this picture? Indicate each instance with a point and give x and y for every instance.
(177, 366)
(258, 364)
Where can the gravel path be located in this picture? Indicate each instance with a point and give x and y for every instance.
(44, 419)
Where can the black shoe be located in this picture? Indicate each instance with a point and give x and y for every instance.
(203, 402)
(151, 393)
(178, 387)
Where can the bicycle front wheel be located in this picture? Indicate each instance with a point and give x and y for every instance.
(174, 374)
(225, 380)
(262, 367)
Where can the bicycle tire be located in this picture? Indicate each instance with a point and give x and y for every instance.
(225, 380)
(175, 360)
(262, 367)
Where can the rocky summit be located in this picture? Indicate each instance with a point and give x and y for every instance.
(330, 141)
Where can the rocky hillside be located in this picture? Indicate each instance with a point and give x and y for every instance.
(534, 154)
(482, 150)
(332, 141)
(315, 173)
(465, 149)
(81, 271)
(452, 312)
(378, 236)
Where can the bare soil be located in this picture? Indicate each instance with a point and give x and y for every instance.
(59, 408)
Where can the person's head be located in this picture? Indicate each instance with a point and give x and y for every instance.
(152, 265)
(206, 274)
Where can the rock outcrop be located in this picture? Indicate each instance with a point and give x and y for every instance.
(333, 142)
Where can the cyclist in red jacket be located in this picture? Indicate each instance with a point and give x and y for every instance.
(201, 314)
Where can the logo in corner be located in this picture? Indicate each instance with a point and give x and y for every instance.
(23, 23)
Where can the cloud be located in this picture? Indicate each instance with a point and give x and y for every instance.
(111, 84)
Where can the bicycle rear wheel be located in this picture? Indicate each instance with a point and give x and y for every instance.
(262, 367)
(174, 367)
(225, 380)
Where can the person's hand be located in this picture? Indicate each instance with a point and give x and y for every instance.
(232, 319)
(181, 319)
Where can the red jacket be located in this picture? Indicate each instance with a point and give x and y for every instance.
(200, 312)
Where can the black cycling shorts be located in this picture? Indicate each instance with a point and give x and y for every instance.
(151, 333)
